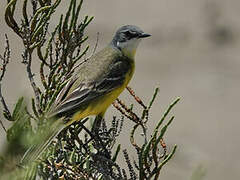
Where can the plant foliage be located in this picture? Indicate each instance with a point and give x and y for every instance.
(76, 153)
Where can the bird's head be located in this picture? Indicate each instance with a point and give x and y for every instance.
(127, 39)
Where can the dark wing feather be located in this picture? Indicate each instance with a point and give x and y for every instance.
(88, 91)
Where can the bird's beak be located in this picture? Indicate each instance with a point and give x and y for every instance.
(144, 35)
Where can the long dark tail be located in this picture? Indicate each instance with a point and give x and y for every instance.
(42, 142)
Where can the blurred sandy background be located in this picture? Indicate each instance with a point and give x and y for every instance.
(193, 53)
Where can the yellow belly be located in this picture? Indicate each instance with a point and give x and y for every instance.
(100, 105)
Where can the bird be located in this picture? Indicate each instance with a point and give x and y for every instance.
(94, 87)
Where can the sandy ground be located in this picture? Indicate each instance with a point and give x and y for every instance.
(193, 53)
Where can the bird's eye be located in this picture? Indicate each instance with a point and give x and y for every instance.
(127, 33)
(130, 34)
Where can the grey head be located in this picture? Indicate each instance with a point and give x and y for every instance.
(127, 39)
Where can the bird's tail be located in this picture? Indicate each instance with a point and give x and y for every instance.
(42, 141)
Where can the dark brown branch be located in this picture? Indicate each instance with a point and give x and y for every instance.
(5, 60)
(115, 104)
(130, 90)
(134, 116)
(28, 61)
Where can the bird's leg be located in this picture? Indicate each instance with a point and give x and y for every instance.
(95, 131)
(97, 124)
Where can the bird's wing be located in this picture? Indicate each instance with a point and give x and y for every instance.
(88, 91)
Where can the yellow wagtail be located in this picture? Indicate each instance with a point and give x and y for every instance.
(96, 84)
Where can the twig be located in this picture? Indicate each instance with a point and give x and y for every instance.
(164, 146)
(32, 81)
(134, 116)
(96, 44)
(115, 104)
(27, 59)
(5, 60)
(130, 90)
(6, 111)
(3, 126)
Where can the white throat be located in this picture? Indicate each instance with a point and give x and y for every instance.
(129, 47)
